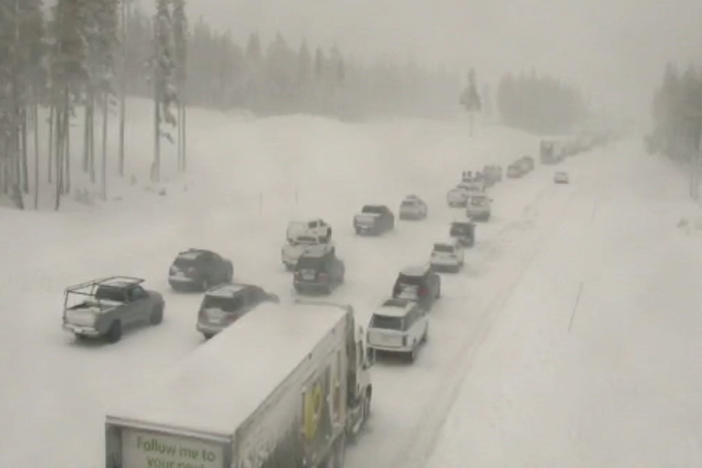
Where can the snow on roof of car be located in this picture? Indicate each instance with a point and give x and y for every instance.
(415, 270)
(215, 388)
(394, 308)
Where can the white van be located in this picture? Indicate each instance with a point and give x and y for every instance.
(398, 326)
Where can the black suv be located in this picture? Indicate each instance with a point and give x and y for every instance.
(318, 269)
(419, 284)
(374, 219)
(224, 304)
(199, 269)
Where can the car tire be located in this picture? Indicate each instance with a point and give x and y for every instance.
(412, 355)
(156, 315)
(114, 334)
(208, 335)
(425, 337)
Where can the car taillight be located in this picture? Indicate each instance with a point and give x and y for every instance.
(201, 314)
(422, 291)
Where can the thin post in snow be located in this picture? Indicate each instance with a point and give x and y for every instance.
(575, 307)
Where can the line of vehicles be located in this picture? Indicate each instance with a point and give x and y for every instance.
(299, 402)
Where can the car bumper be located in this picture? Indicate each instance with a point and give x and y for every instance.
(311, 286)
(389, 348)
(209, 328)
(81, 330)
(182, 281)
(363, 229)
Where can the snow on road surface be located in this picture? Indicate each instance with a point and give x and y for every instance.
(247, 179)
(595, 358)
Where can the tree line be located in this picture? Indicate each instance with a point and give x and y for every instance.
(539, 103)
(677, 114)
(275, 76)
(71, 61)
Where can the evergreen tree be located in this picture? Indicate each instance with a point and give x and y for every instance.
(180, 38)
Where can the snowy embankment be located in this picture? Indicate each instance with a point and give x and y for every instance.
(595, 358)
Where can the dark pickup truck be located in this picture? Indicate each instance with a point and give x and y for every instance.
(374, 220)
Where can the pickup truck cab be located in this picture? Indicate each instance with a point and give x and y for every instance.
(293, 249)
(105, 307)
(374, 220)
(398, 326)
(316, 228)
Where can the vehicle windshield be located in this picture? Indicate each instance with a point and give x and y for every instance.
(387, 323)
(443, 248)
(307, 240)
(109, 293)
(225, 304)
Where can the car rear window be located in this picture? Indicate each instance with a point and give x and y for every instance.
(459, 230)
(410, 280)
(226, 304)
(314, 263)
(185, 260)
(388, 323)
(109, 293)
(443, 248)
(372, 209)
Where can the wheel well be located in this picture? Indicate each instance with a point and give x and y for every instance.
(369, 391)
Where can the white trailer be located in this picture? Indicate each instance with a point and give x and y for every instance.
(284, 386)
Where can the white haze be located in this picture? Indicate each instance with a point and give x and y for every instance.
(613, 50)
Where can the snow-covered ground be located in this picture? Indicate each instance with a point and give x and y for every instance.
(506, 378)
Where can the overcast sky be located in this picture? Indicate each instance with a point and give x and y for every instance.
(613, 49)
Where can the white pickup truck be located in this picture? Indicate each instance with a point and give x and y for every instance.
(284, 386)
(303, 234)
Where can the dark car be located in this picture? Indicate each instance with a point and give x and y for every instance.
(225, 304)
(420, 284)
(198, 269)
(374, 219)
(105, 307)
(464, 232)
(318, 270)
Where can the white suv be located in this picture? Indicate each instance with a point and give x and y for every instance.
(398, 326)
(447, 255)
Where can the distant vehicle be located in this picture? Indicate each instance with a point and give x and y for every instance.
(318, 270)
(549, 152)
(493, 174)
(463, 232)
(398, 326)
(374, 220)
(418, 283)
(225, 304)
(447, 256)
(413, 207)
(286, 386)
(515, 170)
(106, 307)
(199, 269)
(476, 186)
(561, 177)
(527, 164)
(291, 251)
(457, 197)
(478, 207)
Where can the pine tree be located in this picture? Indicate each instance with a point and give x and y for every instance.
(180, 34)
(163, 68)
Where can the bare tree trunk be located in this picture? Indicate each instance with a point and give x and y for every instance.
(156, 165)
(185, 139)
(123, 88)
(67, 153)
(59, 157)
(35, 112)
(23, 133)
(51, 142)
(86, 137)
(91, 141)
(105, 104)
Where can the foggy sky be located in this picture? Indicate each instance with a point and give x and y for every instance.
(614, 50)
